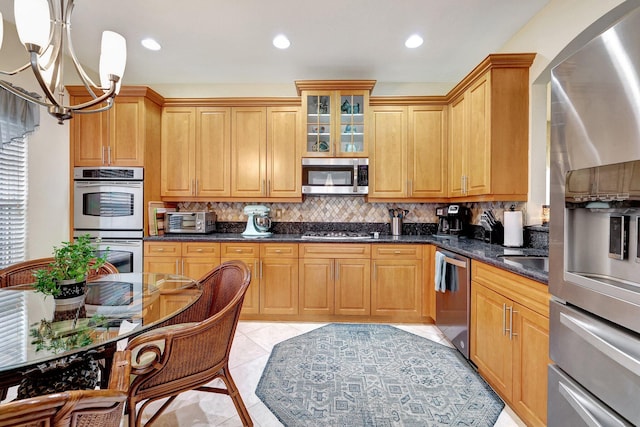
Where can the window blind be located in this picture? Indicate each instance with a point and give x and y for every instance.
(13, 202)
(13, 330)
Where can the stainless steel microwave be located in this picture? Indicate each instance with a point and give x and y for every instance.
(190, 222)
(335, 175)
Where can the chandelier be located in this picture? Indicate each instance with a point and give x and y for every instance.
(44, 28)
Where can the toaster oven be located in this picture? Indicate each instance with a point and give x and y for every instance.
(190, 222)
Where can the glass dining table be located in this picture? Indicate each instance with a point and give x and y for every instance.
(39, 334)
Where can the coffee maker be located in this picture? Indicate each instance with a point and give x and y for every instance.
(452, 220)
(258, 221)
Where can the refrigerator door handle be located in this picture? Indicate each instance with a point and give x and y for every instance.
(578, 406)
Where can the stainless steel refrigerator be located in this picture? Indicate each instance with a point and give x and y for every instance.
(594, 275)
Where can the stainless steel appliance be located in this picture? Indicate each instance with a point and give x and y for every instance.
(109, 206)
(335, 176)
(453, 298)
(452, 219)
(595, 178)
(190, 222)
(108, 198)
(258, 221)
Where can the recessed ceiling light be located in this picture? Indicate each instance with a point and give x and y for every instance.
(281, 41)
(151, 44)
(413, 41)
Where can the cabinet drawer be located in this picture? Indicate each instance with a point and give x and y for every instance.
(162, 249)
(397, 251)
(530, 293)
(284, 250)
(229, 250)
(332, 250)
(199, 249)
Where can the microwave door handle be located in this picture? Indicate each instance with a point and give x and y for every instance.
(121, 242)
(355, 176)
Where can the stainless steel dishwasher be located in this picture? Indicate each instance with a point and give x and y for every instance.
(453, 305)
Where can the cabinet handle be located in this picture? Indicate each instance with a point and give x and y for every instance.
(102, 155)
(260, 269)
(278, 251)
(410, 187)
(511, 333)
(177, 270)
(197, 191)
(337, 268)
(255, 267)
(109, 155)
(182, 266)
(159, 250)
(332, 272)
(268, 187)
(199, 250)
(375, 273)
(191, 187)
(504, 319)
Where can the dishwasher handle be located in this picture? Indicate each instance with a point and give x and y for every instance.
(456, 262)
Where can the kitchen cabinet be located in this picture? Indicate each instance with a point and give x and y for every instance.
(510, 338)
(408, 153)
(231, 153)
(429, 290)
(192, 259)
(196, 144)
(125, 135)
(275, 272)
(265, 153)
(488, 140)
(335, 117)
(397, 281)
(335, 279)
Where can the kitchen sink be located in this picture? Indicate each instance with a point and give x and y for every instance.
(530, 261)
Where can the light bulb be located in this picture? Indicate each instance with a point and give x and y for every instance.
(413, 41)
(33, 21)
(113, 57)
(281, 41)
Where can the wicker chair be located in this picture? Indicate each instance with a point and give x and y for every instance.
(170, 360)
(95, 408)
(22, 272)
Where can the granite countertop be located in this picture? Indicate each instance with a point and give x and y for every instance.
(472, 248)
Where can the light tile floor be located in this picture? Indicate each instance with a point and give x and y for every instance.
(249, 355)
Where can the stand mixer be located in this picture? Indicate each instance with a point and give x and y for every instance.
(258, 221)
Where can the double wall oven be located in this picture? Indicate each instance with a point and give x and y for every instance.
(109, 206)
(594, 248)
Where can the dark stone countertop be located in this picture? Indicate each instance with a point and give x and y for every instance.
(472, 248)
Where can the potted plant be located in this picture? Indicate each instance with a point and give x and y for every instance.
(72, 261)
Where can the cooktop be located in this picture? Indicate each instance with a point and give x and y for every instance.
(336, 235)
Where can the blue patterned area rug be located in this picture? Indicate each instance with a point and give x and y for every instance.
(355, 375)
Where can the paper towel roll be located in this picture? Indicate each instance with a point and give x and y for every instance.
(513, 228)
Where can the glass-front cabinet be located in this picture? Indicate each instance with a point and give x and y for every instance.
(335, 121)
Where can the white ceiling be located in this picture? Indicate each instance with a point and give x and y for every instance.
(229, 42)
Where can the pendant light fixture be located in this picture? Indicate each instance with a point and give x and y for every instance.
(44, 28)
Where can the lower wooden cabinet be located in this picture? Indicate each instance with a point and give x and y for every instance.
(510, 338)
(335, 279)
(274, 280)
(192, 259)
(397, 281)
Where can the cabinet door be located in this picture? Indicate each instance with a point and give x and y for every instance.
(177, 170)
(198, 267)
(89, 133)
(213, 152)
(284, 140)
(248, 152)
(317, 111)
(317, 286)
(478, 153)
(531, 358)
(457, 146)
(427, 152)
(251, 303)
(278, 286)
(350, 127)
(126, 132)
(162, 264)
(388, 163)
(172, 301)
(491, 350)
(353, 287)
(396, 288)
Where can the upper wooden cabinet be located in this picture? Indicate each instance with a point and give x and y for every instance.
(408, 152)
(231, 153)
(335, 117)
(196, 142)
(125, 135)
(489, 127)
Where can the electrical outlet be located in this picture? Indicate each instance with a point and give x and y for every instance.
(278, 213)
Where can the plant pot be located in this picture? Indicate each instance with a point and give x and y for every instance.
(70, 289)
(69, 304)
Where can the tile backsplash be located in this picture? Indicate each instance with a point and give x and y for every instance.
(343, 209)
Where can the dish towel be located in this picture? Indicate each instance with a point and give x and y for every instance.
(441, 272)
(451, 280)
